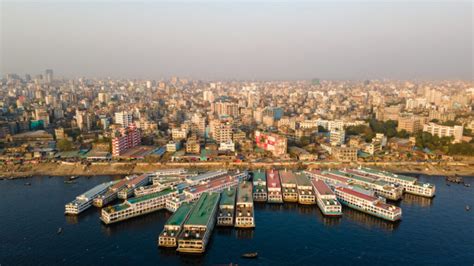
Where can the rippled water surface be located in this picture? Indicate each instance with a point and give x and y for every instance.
(435, 231)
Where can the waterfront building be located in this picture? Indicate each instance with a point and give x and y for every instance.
(344, 154)
(444, 131)
(125, 139)
(244, 209)
(271, 142)
(199, 226)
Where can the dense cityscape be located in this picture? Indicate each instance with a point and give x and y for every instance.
(49, 119)
(236, 132)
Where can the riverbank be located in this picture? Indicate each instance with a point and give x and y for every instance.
(126, 168)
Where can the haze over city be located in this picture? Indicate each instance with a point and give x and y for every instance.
(239, 40)
(242, 132)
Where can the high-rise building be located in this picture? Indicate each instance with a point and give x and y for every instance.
(274, 143)
(125, 138)
(444, 131)
(48, 76)
(221, 130)
(103, 97)
(225, 108)
(42, 114)
(410, 124)
(123, 118)
(337, 137)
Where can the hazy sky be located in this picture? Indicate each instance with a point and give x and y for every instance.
(239, 40)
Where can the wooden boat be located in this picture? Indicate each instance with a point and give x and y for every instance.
(251, 255)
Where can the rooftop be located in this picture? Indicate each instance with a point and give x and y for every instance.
(202, 210)
(228, 196)
(302, 180)
(180, 214)
(259, 176)
(356, 194)
(244, 194)
(207, 175)
(150, 196)
(97, 189)
(322, 187)
(389, 174)
(287, 177)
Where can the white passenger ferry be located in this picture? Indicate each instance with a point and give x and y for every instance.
(84, 201)
(326, 198)
(368, 204)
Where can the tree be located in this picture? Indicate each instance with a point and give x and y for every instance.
(64, 145)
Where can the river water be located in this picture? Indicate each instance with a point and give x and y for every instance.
(435, 231)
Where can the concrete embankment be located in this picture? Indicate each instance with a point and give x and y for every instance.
(125, 168)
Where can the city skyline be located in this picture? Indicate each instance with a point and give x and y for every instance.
(254, 41)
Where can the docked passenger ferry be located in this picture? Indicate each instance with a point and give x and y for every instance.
(326, 198)
(84, 201)
(135, 182)
(111, 193)
(274, 187)
(216, 184)
(169, 236)
(198, 227)
(305, 190)
(244, 210)
(138, 206)
(410, 184)
(259, 186)
(288, 184)
(368, 204)
(227, 207)
(348, 177)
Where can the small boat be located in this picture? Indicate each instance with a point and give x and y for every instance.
(468, 208)
(60, 230)
(467, 185)
(72, 177)
(27, 184)
(251, 255)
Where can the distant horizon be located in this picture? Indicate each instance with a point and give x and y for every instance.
(239, 41)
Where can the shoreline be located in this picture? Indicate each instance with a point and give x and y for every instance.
(128, 168)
